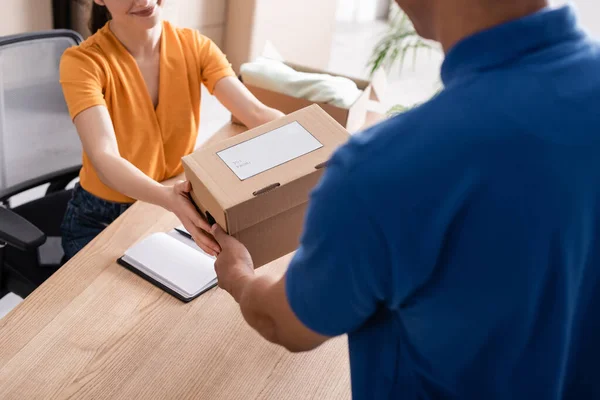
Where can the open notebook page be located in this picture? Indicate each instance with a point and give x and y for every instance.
(173, 233)
(173, 263)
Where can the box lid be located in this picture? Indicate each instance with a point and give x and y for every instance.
(265, 171)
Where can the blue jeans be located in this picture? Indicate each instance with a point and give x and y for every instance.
(86, 216)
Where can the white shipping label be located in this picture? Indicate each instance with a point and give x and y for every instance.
(269, 150)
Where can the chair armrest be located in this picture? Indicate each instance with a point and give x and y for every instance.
(19, 233)
(57, 180)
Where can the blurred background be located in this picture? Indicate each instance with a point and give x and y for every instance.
(335, 35)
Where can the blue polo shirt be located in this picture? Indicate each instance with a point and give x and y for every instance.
(458, 244)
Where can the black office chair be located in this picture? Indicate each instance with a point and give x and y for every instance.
(38, 146)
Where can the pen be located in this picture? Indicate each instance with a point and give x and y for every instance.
(184, 233)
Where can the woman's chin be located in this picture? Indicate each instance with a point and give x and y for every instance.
(149, 22)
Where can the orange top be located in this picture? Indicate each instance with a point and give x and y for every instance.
(101, 71)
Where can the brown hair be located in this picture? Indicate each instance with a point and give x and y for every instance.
(100, 16)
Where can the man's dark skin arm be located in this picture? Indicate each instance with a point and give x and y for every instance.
(262, 299)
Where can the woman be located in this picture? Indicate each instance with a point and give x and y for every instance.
(133, 91)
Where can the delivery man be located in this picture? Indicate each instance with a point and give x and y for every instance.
(458, 244)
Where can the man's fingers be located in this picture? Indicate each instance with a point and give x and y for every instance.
(204, 241)
(218, 233)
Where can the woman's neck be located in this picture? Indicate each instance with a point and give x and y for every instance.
(140, 43)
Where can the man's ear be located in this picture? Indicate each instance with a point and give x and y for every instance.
(100, 2)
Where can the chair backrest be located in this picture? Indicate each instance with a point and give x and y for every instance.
(37, 136)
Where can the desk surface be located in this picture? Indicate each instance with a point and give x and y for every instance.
(95, 330)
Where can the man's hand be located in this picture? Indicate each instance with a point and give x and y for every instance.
(178, 202)
(234, 265)
(263, 299)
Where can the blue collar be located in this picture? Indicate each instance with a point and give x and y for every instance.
(506, 42)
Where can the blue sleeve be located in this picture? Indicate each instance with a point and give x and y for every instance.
(336, 279)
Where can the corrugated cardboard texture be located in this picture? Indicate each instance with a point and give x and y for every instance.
(275, 237)
(203, 197)
(263, 206)
(265, 211)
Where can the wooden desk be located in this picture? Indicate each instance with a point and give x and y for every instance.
(94, 330)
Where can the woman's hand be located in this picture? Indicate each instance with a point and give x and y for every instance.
(177, 200)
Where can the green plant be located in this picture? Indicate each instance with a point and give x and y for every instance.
(399, 108)
(397, 43)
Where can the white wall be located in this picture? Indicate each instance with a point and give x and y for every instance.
(588, 11)
(18, 16)
(589, 14)
(361, 10)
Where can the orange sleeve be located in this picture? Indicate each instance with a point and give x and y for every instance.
(213, 63)
(82, 81)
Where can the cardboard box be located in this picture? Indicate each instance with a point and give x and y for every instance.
(352, 119)
(303, 30)
(256, 185)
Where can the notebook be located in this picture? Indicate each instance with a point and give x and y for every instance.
(174, 263)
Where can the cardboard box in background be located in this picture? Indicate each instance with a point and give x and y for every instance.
(256, 185)
(352, 119)
(303, 30)
(19, 16)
